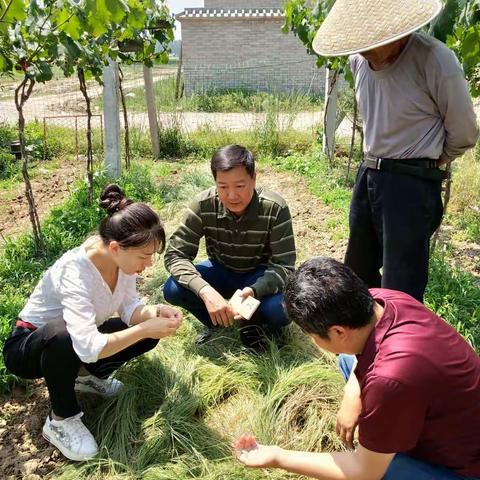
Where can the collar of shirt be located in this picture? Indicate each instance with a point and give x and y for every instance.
(250, 214)
(366, 358)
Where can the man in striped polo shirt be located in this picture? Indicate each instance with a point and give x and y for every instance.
(250, 246)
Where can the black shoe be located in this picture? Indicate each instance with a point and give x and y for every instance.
(204, 336)
(253, 338)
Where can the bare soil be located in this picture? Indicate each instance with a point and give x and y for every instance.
(50, 188)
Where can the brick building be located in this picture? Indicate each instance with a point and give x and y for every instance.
(238, 44)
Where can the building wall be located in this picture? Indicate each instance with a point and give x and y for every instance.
(239, 4)
(251, 54)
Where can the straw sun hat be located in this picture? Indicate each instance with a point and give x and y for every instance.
(354, 26)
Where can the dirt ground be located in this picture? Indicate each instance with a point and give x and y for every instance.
(50, 188)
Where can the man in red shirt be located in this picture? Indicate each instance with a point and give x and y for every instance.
(414, 394)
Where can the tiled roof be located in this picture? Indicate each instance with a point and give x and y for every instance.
(231, 13)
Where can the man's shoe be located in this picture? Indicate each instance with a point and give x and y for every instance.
(107, 387)
(204, 336)
(71, 437)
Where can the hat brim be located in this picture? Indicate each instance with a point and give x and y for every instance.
(319, 48)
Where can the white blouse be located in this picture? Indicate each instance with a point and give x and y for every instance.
(73, 289)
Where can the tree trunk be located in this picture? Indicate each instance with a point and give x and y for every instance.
(446, 199)
(83, 88)
(22, 94)
(329, 119)
(354, 130)
(128, 153)
(152, 111)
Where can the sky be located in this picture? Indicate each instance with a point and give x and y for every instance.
(177, 6)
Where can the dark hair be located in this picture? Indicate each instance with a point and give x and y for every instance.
(323, 293)
(232, 156)
(131, 224)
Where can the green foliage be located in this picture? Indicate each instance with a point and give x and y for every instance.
(304, 21)
(328, 184)
(7, 134)
(248, 101)
(459, 27)
(8, 164)
(80, 34)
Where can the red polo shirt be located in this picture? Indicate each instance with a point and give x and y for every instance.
(420, 384)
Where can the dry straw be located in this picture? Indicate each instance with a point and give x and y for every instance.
(354, 26)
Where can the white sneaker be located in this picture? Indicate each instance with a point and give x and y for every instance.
(71, 437)
(108, 387)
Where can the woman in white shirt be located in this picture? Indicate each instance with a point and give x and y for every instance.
(65, 334)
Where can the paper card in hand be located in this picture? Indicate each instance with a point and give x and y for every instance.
(244, 306)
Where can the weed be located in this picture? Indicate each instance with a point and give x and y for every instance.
(464, 208)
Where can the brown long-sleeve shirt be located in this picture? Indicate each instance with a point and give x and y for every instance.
(263, 236)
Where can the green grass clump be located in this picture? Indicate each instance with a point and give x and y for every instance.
(464, 207)
(182, 408)
(455, 296)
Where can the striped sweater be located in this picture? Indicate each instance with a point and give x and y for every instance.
(263, 236)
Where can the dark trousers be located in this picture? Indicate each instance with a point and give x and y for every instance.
(392, 217)
(48, 352)
(269, 318)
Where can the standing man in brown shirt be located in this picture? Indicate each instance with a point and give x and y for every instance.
(417, 116)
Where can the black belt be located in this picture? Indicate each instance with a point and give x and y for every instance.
(419, 167)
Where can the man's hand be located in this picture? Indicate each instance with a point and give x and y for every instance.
(218, 308)
(244, 293)
(347, 416)
(247, 292)
(252, 454)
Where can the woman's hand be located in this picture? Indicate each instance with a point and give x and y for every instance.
(168, 312)
(252, 454)
(160, 327)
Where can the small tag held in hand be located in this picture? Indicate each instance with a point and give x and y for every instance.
(244, 306)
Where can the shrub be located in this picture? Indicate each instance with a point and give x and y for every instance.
(8, 164)
(173, 142)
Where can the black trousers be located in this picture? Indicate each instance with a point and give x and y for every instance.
(48, 352)
(392, 218)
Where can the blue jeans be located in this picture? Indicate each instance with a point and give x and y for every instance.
(269, 318)
(402, 466)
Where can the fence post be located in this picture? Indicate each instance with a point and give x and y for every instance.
(112, 119)
(152, 110)
(178, 80)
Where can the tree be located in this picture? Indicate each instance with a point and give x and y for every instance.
(459, 27)
(79, 36)
(304, 21)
